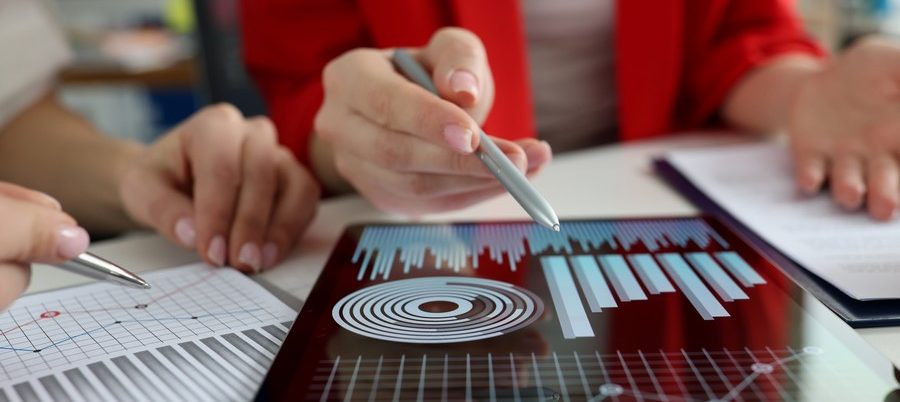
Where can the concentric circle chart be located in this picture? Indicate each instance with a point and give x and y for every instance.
(475, 309)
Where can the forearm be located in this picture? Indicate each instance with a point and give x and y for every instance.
(760, 101)
(51, 149)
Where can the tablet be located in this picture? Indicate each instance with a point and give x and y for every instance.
(650, 309)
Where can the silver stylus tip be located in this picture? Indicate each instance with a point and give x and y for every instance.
(556, 227)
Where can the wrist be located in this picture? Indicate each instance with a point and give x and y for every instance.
(125, 155)
(763, 99)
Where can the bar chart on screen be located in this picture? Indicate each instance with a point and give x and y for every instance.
(677, 309)
(199, 334)
(605, 263)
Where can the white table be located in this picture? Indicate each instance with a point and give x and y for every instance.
(614, 181)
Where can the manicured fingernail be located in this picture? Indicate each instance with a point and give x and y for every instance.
(216, 251)
(71, 241)
(459, 138)
(269, 255)
(251, 256)
(538, 154)
(184, 230)
(464, 81)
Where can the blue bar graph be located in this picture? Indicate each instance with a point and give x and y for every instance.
(599, 265)
(592, 283)
(692, 287)
(727, 289)
(740, 269)
(623, 280)
(649, 271)
(569, 309)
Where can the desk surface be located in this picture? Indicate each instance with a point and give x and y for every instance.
(613, 181)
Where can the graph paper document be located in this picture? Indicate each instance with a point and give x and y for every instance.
(199, 334)
(655, 309)
(754, 183)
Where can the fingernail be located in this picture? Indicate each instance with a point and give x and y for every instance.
(538, 154)
(459, 138)
(464, 81)
(250, 255)
(184, 230)
(71, 241)
(269, 255)
(216, 251)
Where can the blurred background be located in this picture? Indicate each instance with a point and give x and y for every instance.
(143, 65)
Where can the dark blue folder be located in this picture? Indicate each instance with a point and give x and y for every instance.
(859, 314)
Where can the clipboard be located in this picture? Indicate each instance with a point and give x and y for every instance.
(858, 314)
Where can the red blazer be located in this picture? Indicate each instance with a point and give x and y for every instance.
(676, 60)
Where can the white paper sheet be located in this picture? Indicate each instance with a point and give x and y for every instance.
(199, 334)
(754, 183)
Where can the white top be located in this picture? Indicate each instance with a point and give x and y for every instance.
(32, 51)
(571, 55)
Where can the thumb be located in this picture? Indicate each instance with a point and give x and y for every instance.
(36, 233)
(459, 66)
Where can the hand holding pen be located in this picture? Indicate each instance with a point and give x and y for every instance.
(35, 229)
(405, 149)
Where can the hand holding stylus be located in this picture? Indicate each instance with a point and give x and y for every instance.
(405, 149)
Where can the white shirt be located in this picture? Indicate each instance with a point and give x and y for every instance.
(32, 51)
(571, 56)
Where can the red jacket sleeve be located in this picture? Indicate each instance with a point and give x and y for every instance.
(726, 39)
(286, 45)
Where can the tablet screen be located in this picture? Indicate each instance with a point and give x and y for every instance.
(662, 309)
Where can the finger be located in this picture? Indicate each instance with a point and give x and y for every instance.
(213, 147)
(257, 193)
(401, 152)
(392, 201)
(809, 171)
(538, 154)
(295, 207)
(366, 81)
(25, 194)
(847, 181)
(15, 278)
(459, 65)
(883, 186)
(154, 200)
(35, 233)
(421, 186)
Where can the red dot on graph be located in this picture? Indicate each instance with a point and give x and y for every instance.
(50, 314)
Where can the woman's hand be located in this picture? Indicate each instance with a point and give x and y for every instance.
(403, 148)
(34, 230)
(221, 183)
(845, 128)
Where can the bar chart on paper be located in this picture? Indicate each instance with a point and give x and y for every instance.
(199, 334)
(611, 262)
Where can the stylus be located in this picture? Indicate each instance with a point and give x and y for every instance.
(490, 154)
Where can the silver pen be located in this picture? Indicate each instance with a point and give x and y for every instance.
(95, 267)
(490, 154)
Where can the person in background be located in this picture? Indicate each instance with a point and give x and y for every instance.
(218, 183)
(563, 75)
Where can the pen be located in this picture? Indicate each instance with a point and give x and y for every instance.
(490, 154)
(95, 267)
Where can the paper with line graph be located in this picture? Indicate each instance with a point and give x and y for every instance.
(199, 334)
